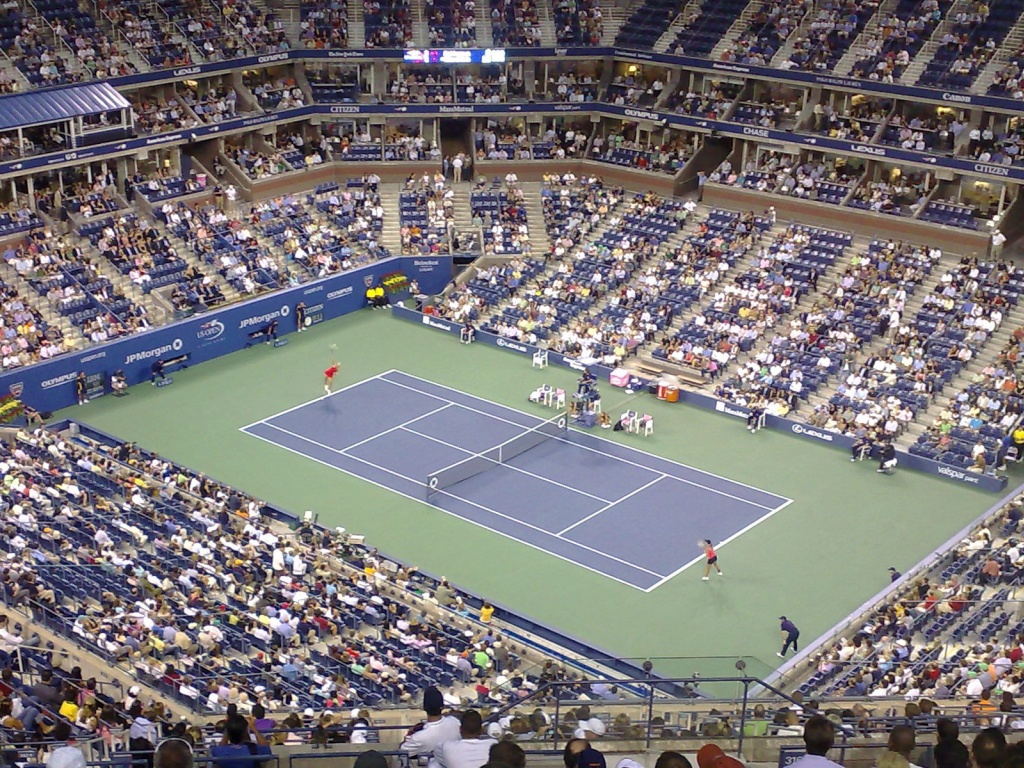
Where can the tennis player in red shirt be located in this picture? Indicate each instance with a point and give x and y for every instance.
(709, 553)
(329, 375)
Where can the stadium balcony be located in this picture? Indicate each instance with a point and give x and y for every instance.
(163, 186)
(210, 103)
(502, 141)
(515, 24)
(333, 84)
(324, 24)
(830, 34)
(388, 24)
(450, 23)
(504, 219)
(647, 23)
(668, 157)
(426, 215)
(713, 103)
(765, 32)
(577, 22)
(965, 50)
(706, 28)
(154, 36)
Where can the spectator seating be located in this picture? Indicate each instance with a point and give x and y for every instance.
(703, 31)
(647, 23)
(324, 23)
(831, 33)
(970, 44)
(951, 214)
(515, 24)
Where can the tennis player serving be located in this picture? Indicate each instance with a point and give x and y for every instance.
(332, 371)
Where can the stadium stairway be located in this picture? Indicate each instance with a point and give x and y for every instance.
(420, 31)
(613, 17)
(1007, 51)
(540, 243)
(927, 53)
(391, 234)
(290, 14)
(690, 8)
(741, 25)
(913, 305)
(463, 214)
(356, 26)
(158, 315)
(231, 294)
(786, 49)
(546, 23)
(73, 337)
(874, 27)
(1013, 319)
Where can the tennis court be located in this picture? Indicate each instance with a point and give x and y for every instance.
(608, 507)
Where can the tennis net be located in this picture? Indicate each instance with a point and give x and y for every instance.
(500, 454)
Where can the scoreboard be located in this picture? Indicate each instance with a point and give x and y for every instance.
(455, 56)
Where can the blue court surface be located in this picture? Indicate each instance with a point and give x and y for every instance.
(621, 512)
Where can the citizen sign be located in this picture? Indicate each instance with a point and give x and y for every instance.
(800, 429)
(995, 170)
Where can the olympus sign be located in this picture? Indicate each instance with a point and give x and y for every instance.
(272, 57)
(57, 381)
(956, 474)
(512, 345)
(174, 346)
(265, 318)
(339, 293)
(642, 114)
(800, 429)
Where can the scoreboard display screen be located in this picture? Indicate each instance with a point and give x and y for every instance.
(455, 56)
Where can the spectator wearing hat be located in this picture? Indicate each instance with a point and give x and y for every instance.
(573, 747)
(819, 736)
(424, 739)
(590, 758)
(471, 750)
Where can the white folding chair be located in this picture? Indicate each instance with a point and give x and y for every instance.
(559, 398)
(648, 424)
(540, 358)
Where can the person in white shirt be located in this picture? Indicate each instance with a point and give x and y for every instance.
(423, 741)
(472, 750)
(819, 736)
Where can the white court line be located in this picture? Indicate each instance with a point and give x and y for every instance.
(612, 504)
(600, 452)
(386, 431)
(509, 466)
(588, 435)
(467, 501)
(379, 376)
(434, 507)
(721, 544)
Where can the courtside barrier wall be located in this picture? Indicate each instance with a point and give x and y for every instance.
(50, 386)
(806, 431)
